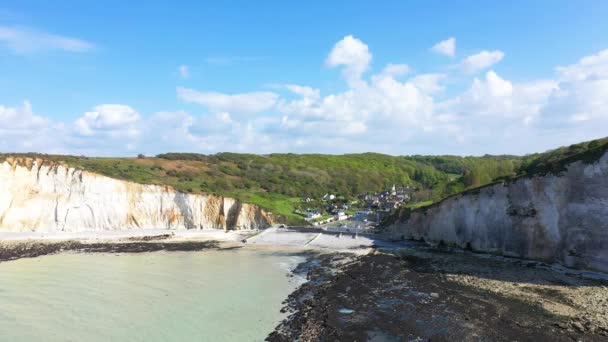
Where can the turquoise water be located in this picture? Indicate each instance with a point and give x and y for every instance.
(162, 296)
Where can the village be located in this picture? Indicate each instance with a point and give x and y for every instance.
(362, 215)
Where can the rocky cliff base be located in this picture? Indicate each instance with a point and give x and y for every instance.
(435, 296)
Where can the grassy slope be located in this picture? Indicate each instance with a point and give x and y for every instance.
(278, 181)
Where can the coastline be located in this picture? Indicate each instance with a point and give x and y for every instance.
(356, 292)
(430, 295)
(32, 244)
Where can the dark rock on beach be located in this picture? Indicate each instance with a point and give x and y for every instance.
(437, 297)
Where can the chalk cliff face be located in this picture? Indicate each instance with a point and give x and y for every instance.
(554, 218)
(42, 196)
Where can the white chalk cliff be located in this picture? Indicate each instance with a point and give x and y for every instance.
(42, 196)
(559, 218)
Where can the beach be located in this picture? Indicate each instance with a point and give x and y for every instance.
(361, 287)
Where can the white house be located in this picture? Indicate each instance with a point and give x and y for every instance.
(313, 214)
(340, 216)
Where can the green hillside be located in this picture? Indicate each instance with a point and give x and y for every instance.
(277, 182)
(538, 164)
(555, 160)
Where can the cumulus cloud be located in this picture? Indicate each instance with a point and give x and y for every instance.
(303, 91)
(367, 108)
(353, 55)
(111, 119)
(481, 61)
(21, 130)
(391, 110)
(581, 94)
(252, 102)
(14, 118)
(429, 83)
(445, 47)
(26, 40)
(498, 98)
(394, 70)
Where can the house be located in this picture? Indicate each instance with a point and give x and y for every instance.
(313, 214)
(341, 215)
(362, 215)
(331, 207)
(307, 200)
(392, 204)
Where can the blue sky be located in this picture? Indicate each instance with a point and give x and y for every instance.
(118, 78)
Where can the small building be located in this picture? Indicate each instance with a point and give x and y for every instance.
(313, 214)
(362, 215)
(341, 216)
(392, 204)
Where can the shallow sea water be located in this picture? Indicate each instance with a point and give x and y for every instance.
(162, 296)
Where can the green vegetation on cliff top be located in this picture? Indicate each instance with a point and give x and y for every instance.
(277, 182)
(538, 164)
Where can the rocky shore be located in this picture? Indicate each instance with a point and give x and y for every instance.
(430, 295)
(397, 294)
(12, 250)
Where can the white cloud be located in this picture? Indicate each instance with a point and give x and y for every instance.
(353, 54)
(224, 117)
(445, 47)
(239, 103)
(367, 108)
(581, 94)
(20, 118)
(395, 70)
(184, 71)
(429, 83)
(303, 91)
(594, 67)
(497, 99)
(111, 119)
(24, 40)
(482, 60)
(392, 110)
(23, 131)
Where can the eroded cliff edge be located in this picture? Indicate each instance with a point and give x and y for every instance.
(558, 217)
(42, 196)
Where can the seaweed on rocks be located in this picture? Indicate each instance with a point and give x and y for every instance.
(31, 249)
